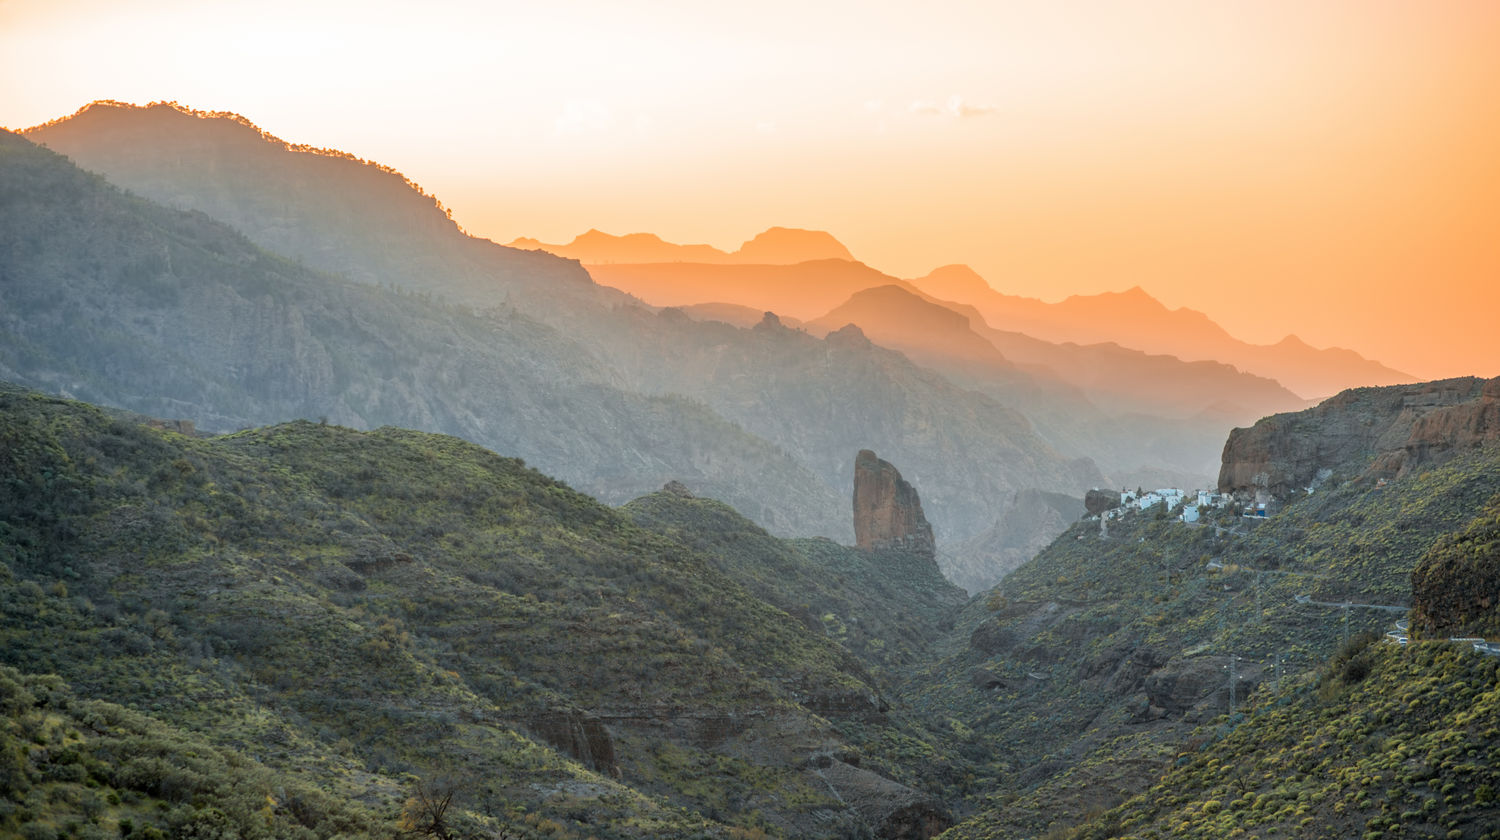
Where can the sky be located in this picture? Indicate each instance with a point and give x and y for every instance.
(1320, 167)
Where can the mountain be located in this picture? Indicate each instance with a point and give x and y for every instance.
(941, 334)
(594, 246)
(775, 246)
(792, 245)
(729, 313)
(927, 333)
(114, 299)
(759, 387)
(300, 202)
(1136, 320)
(1095, 668)
(1432, 696)
(965, 451)
(803, 291)
(1144, 419)
(343, 621)
(306, 629)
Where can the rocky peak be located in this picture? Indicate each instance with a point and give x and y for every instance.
(1363, 432)
(887, 512)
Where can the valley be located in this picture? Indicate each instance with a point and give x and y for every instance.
(320, 517)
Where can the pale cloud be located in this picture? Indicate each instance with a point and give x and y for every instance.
(765, 127)
(955, 107)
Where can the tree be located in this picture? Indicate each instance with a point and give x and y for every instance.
(426, 812)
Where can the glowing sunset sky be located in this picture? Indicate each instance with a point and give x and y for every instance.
(1323, 167)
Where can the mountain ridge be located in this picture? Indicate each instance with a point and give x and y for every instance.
(1135, 319)
(647, 361)
(773, 246)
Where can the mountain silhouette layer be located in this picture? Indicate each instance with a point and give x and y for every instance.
(774, 246)
(775, 386)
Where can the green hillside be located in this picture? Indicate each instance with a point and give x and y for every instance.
(1385, 742)
(360, 612)
(1076, 682)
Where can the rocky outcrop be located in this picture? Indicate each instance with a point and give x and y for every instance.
(1456, 585)
(1363, 432)
(579, 735)
(887, 512)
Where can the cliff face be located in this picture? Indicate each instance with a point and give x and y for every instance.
(1369, 432)
(887, 512)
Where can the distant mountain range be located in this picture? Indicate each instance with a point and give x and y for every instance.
(975, 414)
(1132, 319)
(307, 629)
(597, 355)
(775, 246)
(1135, 319)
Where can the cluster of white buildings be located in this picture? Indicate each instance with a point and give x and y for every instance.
(1193, 503)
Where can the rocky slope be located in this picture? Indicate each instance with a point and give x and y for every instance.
(1093, 668)
(1371, 432)
(357, 609)
(1383, 742)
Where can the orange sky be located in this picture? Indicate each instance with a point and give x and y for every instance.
(1323, 167)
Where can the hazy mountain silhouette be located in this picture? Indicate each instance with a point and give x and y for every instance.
(930, 334)
(115, 299)
(1125, 409)
(941, 334)
(729, 313)
(967, 449)
(803, 291)
(775, 246)
(1136, 320)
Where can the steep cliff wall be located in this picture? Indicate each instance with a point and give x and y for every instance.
(1363, 432)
